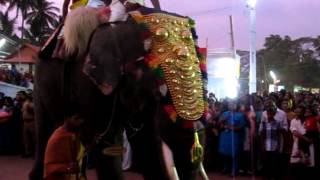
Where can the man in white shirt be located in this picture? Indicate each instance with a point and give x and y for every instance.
(280, 115)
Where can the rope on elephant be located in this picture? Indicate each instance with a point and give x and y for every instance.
(134, 129)
(100, 138)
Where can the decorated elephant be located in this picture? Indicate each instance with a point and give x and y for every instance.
(142, 74)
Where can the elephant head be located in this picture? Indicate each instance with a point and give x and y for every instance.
(111, 56)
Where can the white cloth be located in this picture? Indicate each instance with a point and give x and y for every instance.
(127, 154)
(296, 125)
(118, 11)
(95, 3)
(163, 90)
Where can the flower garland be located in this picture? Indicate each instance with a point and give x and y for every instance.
(203, 68)
(152, 62)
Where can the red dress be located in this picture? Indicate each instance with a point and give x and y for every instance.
(60, 161)
(311, 123)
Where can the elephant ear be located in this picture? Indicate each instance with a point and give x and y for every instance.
(103, 60)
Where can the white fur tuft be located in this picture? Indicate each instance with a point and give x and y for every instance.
(78, 27)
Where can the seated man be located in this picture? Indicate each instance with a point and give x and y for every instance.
(64, 152)
(54, 46)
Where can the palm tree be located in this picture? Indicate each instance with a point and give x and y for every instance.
(4, 2)
(42, 20)
(7, 24)
(22, 6)
(45, 13)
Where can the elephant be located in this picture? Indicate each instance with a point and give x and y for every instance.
(115, 90)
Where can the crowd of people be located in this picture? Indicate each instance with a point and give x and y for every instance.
(15, 77)
(17, 126)
(275, 135)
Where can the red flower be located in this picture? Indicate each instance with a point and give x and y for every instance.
(203, 67)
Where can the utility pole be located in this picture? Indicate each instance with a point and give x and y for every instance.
(232, 37)
(253, 62)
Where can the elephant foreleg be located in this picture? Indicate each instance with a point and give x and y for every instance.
(180, 142)
(43, 131)
(171, 168)
(108, 154)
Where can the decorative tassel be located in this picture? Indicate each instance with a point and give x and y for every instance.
(171, 112)
(78, 4)
(137, 16)
(192, 22)
(159, 72)
(197, 150)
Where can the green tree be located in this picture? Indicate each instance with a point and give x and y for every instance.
(316, 43)
(7, 24)
(294, 61)
(42, 20)
(22, 7)
(4, 2)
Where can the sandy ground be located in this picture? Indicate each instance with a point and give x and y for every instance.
(17, 168)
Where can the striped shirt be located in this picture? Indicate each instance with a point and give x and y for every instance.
(270, 131)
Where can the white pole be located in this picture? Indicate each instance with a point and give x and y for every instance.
(232, 38)
(253, 63)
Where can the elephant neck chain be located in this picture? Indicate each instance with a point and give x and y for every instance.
(173, 55)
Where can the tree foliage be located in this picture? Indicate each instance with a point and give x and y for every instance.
(7, 24)
(42, 20)
(22, 7)
(296, 62)
(38, 19)
(3, 2)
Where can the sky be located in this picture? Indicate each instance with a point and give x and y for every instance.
(296, 18)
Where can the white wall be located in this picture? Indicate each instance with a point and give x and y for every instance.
(10, 90)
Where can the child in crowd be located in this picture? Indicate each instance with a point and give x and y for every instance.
(311, 132)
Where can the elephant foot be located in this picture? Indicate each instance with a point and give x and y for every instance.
(36, 174)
